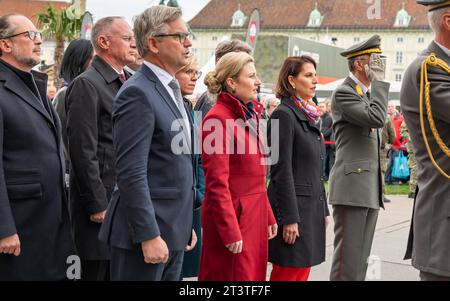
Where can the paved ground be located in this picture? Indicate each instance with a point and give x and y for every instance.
(388, 247)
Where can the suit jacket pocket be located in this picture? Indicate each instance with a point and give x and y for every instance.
(164, 193)
(356, 167)
(28, 191)
(303, 189)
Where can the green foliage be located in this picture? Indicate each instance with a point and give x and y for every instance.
(64, 25)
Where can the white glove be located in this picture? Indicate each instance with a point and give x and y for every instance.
(376, 68)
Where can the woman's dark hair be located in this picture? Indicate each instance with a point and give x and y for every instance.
(292, 66)
(76, 59)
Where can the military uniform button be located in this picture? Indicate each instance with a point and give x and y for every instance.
(359, 170)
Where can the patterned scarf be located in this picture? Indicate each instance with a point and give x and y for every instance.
(309, 110)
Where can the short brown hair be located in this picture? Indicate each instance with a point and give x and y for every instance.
(6, 28)
(228, 46)
(102, 26)
(292, 66)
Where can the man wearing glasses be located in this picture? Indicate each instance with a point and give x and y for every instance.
(89, 101)
(149, 220)
(35, 236)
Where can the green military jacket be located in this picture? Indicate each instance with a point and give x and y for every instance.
(431, 220)
(355, 179)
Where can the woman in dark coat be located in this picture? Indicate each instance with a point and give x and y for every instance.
(187, 78)
(296, 190)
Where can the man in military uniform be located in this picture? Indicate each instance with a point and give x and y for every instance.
(412, 162)
(429, 243)
(359, 110)
(387, 139)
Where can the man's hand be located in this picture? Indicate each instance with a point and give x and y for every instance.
(235, 247)
(290, 233)
(193, 242)
(155, 251)
(10, 245)
(98, 217)
(273, 230)
(376, 68)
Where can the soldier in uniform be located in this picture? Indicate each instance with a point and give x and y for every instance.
(387, 139)
(359, 110)
(412, 162)
(425, 97)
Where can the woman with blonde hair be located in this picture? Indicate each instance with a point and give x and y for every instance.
(187, 78)
(236, 216)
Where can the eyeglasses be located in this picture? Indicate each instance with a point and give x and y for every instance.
(31, 34)
(192, 73)
(182, 36)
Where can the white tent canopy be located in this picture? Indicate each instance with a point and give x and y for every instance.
(394, 88)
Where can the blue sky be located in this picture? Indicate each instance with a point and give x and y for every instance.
(130, 8)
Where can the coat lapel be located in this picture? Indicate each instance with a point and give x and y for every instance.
(301, 116)
(161, 90)
(19, 88)
(348, 81)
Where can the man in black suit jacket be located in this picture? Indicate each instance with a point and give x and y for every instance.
(149, 220)
(35, 238)
(89, 101)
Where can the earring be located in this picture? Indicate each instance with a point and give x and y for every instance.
(293, 87)
(233, 90)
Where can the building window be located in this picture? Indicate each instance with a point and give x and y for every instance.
(403, 18)
(399, 57)
(421, 40)
(312, 38)
(194, 50)
(315, 18)
(356, 39)
(400, 40)
(214, 38)
(398, 77)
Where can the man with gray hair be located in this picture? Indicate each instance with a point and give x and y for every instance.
(429, 241)
(89, 101)
(206, 101)
(35, 236)
(149, 220)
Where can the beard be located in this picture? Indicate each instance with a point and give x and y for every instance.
(27, 61)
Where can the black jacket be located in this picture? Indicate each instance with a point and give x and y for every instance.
(296, 190)
(32, 195)
(89, 100)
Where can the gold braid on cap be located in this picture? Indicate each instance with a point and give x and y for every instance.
(432, 61)
(438, 6)
(367, 51)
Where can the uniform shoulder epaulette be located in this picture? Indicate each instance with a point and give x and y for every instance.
(432, 61)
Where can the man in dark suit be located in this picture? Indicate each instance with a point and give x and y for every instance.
(89, 100)
(355, 191)
(149, 220)
(35, 238)
(429, 243)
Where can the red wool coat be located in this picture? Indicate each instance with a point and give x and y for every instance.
(235, 206)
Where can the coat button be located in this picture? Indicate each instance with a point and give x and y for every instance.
(359, 170)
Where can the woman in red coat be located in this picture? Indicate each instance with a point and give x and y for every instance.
(236, 215)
